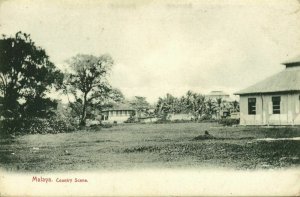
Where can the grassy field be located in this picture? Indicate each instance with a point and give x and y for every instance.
(153, 146)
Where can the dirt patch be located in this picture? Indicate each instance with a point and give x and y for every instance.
(142, 149)
(206, 136)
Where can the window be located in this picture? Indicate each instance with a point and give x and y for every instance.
(252, 106)
(276, 104)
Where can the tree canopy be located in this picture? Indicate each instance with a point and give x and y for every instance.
(87, 83)
(26, 75)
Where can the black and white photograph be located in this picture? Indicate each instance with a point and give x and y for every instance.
(149, 98)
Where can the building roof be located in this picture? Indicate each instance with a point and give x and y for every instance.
(218, 93)
(119, 106)
(285, 81)
(294, 60)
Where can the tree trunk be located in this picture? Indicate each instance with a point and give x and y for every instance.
(83, 114)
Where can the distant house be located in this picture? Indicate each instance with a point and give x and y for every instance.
(117, 114)
(275, 100)
(218, 95)
(223, 109)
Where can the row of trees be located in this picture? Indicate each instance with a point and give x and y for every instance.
(198, 105)
(27, 77)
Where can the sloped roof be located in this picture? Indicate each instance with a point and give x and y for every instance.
(217, 93)
(292, 60)
(119, 106)
(285, 81)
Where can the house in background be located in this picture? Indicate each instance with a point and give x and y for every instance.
(117, 114)
(218, 95)
(224, 104)
(275, 100)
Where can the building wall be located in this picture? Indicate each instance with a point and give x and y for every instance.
(289, 110)
(180, 117)
(119, 116)
(148, 120)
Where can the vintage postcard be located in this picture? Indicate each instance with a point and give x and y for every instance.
(149, 98)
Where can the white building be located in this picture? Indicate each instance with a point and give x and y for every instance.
(117, 114)
(219, 95)
(273, 101)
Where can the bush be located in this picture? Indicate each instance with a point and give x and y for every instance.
(162, 121)
(95, 127)
(10, 126)
(106, 125)
(35, 125)
(131, 119)
(52, 125)
(205, 117)
(228, 121)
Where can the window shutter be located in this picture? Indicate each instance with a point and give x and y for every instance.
(270, 108)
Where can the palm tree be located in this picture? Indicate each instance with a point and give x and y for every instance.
(220, 105)
(211, 107)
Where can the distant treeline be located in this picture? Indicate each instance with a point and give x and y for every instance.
(198, 105)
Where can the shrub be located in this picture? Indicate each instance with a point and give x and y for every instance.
(106, 125)
(10, 126)
(95, 127)
(52, 125)
(131, 119)
(35, 125)
(205, 117)
(162, 121)
(228, 121)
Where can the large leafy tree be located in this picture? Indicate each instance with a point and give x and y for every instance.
(87, 83)
(141, 105)
(26, 75)
(95, 107)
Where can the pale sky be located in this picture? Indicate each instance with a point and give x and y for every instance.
(164, 47)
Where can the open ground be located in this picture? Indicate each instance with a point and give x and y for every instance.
(134, 146)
